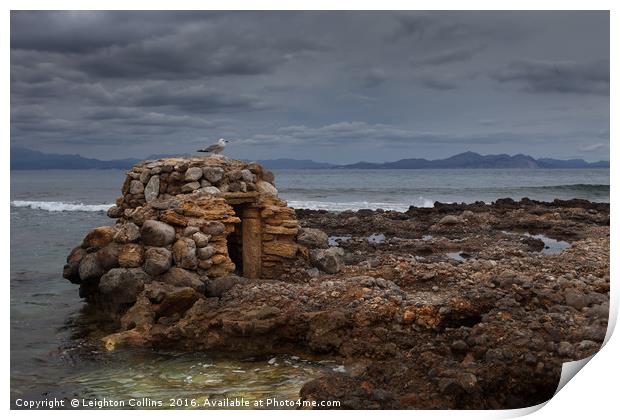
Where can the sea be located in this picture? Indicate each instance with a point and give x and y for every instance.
(52, 210)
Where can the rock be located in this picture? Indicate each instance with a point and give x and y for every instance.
(151, 191)
(565, 349)
(201, 239)
(264, 187)
(449, 220)
(90, 269)
(193, 174)
(213, 228)
(99, 237)
(131, 256)
(268, 176)
(218, 286)
(313, 238)
(328, 260)
(467, 381)
(190, 230)
(155, 233)
(209, 191)
(127, 232)
(115, 212)
(213, 174)
(182, 278)
(205, 253)
(190, 186)
(313, 272)
(248, 176)
(177, 301)
(108, 256)
(144, 176)
(184, 252)
(157, 261)
(121, 286)
(136, 187)
(576, 299)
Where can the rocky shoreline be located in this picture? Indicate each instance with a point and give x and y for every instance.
(469, 306)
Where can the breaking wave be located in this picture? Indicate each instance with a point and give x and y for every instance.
(60, 206)
(358, 205)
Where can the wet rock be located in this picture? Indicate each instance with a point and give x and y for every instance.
(184, 252)
(155, 233)
(157, 261)
(329, 260)
(121, 286)
(177, 301)
(313, 238)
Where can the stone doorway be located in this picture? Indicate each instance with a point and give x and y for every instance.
(245, 241)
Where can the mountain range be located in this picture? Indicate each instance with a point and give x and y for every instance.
(22, 158)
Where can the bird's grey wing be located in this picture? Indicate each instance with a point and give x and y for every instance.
(211, 148)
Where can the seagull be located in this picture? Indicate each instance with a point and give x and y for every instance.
(215, 148)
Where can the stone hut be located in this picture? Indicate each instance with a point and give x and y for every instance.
(184, 221)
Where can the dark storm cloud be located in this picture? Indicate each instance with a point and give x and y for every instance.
(557, 76)
(311, 84)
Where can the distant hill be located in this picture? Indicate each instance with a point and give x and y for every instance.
(295, 164)
(22, 158)
(471, 160)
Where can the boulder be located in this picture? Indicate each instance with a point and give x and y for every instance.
(328, 260)
(313, 238)
(193, 174)
(127, 232)
(157, 261)
(449, 220)
(90, 269)
(177, 301)
(182, 278)
(190, 186)
(201, 239)
(132, 255)
(266, 188)
(99, 237)
(151, 191)
(108, 256)
(247, 176)
(184, 252)
(115, 212)
(121, 286)
(136, 187)
(214, 228)
(218, 286)
(155, 233)
(206, 252)
(213, 174)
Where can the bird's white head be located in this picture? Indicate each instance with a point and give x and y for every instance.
(222, 141)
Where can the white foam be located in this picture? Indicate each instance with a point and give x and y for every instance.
(358, 205)
(60, 206)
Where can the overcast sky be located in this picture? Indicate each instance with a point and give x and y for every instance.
(329, 86)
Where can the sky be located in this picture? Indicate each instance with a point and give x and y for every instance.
(336, 87)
